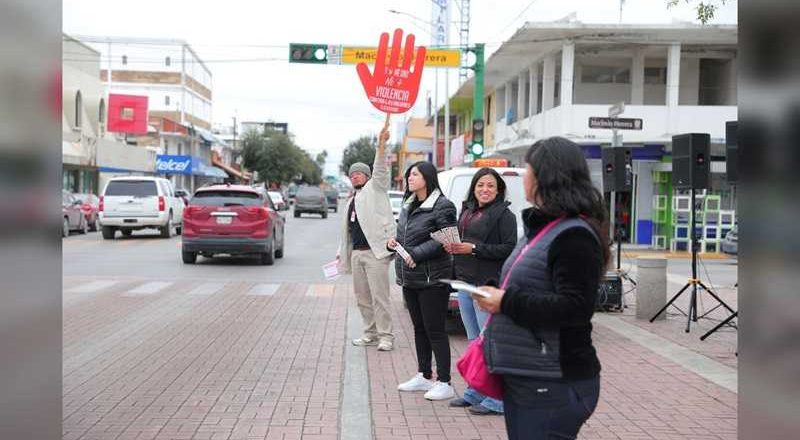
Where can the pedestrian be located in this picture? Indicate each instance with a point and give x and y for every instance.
(488, 231)
(425, 210)
(367, 226)
(539, 337)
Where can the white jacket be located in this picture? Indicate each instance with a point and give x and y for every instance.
(374, 214)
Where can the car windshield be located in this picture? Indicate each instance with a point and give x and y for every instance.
(226, 198)
(135, 188)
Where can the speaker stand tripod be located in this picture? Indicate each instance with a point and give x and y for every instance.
(618, 270)
(693, 283)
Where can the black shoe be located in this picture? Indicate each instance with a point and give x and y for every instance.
(480, 410)
(459, 403)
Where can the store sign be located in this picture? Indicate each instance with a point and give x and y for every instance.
(168, 164)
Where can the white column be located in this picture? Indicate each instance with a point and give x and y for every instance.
(673, 74)
(567, 72)
(521, 95)
(533, 77)
(673, 86)
(508, 104)
(548, 82)
(637, 78)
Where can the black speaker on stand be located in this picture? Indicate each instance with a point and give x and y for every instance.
(691, 169)
(618, 177)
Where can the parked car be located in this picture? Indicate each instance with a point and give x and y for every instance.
(278, 201)
(232, 220)
(310, 199)
(396, 201)
(333, 199)
(183, 195)
(133, 203)
(730, 243)
(72, 218)
(90, 205)
(455, 184)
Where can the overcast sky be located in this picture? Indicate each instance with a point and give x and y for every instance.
(245, 44)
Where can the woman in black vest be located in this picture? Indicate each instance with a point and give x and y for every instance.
(425, 210)
(488, 231)
(539, 337)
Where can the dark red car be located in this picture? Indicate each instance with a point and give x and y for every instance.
(90, 205)
(232, 220)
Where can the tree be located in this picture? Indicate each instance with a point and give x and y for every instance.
(705, 9)
(278, 159)
(359, 150)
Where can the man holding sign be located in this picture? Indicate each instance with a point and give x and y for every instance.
(368, 225)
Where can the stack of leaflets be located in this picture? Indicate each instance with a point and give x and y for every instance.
(448, 235)
(403, 254)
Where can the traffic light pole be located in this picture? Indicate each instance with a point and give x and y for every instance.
(477, 99)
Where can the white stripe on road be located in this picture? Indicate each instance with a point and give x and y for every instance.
(207, 289)
(149, 288)
(94, 286)
(264, 289)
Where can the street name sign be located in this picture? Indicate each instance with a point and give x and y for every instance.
(615, 123)
(433, 57)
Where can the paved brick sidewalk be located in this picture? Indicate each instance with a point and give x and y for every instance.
(238, 360)
(644, 396)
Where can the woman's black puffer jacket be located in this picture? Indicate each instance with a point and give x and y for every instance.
(414, 234)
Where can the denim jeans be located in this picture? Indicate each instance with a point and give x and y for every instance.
(474, 320)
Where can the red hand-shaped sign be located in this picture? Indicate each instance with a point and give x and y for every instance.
(393, 87)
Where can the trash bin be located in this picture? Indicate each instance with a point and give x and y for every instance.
(651, 288)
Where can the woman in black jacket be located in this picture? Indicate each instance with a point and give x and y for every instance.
(488, 231)
(425, 210)
(540, 336)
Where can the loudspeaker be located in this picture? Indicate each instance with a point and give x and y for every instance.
(691, 160)
(617, 169)
(732, 151)
(609, 293)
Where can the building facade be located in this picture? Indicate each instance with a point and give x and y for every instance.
(550, 78)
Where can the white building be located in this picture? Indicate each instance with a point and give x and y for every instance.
(169, 72)
(550, 78)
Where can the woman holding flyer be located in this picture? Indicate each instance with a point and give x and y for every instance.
(488, 231)
(539, 338)
(420, 262)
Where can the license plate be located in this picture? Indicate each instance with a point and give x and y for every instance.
(224, 220)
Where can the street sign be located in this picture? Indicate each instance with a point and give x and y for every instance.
(616, 109)
(433, 57)
(615, 123)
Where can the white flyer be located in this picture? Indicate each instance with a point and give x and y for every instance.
(331, 270)
(467, 287)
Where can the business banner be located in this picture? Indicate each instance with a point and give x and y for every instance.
(127, 114)
(173, 164)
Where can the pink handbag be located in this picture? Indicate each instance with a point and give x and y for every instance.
(472, 364)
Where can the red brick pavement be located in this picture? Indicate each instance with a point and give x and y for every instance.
(234, 366)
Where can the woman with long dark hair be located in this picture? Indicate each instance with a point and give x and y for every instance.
(488, 231)
(425, 210)
(539, 337)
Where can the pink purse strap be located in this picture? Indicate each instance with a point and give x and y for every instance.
(521, 254)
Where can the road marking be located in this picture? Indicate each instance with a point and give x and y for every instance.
(703, 366)
(149, 288)
(356, 418)
(94, 286)
(207, 289)
(320, 290)
(263, 289)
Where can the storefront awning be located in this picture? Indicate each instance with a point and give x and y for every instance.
(233, 172)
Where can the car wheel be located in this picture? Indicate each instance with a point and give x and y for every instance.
(84, 226)
(108, 233)
(127, 233)
(166, 230)
(296, 214)
(268, 257)
(279, 252)
(178, 230)
(65, 228)
(189, 257)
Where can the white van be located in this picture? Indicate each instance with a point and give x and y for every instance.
(128, 204)
(455, 184)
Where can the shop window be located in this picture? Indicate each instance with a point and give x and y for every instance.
(605, 75)
(167, 61)
(655, 75)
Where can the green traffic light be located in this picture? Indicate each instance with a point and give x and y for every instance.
(476, 150)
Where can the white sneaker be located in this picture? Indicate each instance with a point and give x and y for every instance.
(440, 391)
(417, 383)
(365, 341)
(385, 345)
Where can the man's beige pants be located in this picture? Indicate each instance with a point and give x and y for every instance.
(371, 285)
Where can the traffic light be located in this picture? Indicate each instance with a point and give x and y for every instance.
(476, 147)
(308, 53)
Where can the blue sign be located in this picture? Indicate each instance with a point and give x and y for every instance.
(167, 164)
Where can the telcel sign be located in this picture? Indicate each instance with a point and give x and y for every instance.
(166, 164)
